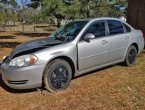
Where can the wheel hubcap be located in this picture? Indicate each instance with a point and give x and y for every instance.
(59, 77)
(131, 56)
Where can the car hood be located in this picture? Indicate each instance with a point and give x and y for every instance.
(33, 46)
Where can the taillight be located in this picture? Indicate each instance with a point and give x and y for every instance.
(142, 34)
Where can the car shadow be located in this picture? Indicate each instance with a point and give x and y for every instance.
(143, 51)
(15, 91)
(8, 89)
(95, 71)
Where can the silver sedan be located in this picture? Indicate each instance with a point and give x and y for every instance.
(74, 49)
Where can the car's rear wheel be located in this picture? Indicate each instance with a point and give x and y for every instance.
(57, 75)
(131, 56)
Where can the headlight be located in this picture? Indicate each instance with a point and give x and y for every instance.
(25, 60)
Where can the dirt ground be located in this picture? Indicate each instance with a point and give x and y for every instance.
(113, 88)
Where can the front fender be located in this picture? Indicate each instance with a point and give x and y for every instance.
(47, 55)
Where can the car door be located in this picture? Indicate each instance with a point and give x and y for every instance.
(118, 40)
(96, 51)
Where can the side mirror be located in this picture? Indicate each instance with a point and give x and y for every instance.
(88, 37)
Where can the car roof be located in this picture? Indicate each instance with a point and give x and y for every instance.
(105, 18)
(99, 18)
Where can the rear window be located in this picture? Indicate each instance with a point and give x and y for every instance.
(115, 27)
(127, 28)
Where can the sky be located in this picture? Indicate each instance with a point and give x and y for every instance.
(21, 1)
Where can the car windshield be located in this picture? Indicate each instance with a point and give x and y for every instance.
(69, 31)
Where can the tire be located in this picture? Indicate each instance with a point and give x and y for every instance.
(131, 56)
(57, 75)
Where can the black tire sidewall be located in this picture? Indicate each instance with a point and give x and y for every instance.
(126, 60)
(49, 70)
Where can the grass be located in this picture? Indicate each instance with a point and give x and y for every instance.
(113, 88)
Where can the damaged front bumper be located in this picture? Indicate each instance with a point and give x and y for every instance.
(22, 78)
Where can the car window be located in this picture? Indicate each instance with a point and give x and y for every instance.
(69, 31)
(115, 27)
(127, 28)
(97, 28)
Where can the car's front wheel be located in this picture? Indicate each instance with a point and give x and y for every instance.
(57, 75)
(131, 56)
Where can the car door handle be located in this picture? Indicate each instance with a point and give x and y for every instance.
(126, 37)
(104, 41)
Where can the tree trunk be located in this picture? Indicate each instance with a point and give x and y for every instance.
(14, 23)
(34, 26)
(58, 22)
(23, 27)
(136, 14)
(4, 28)
(88, 12)
(9, 23)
